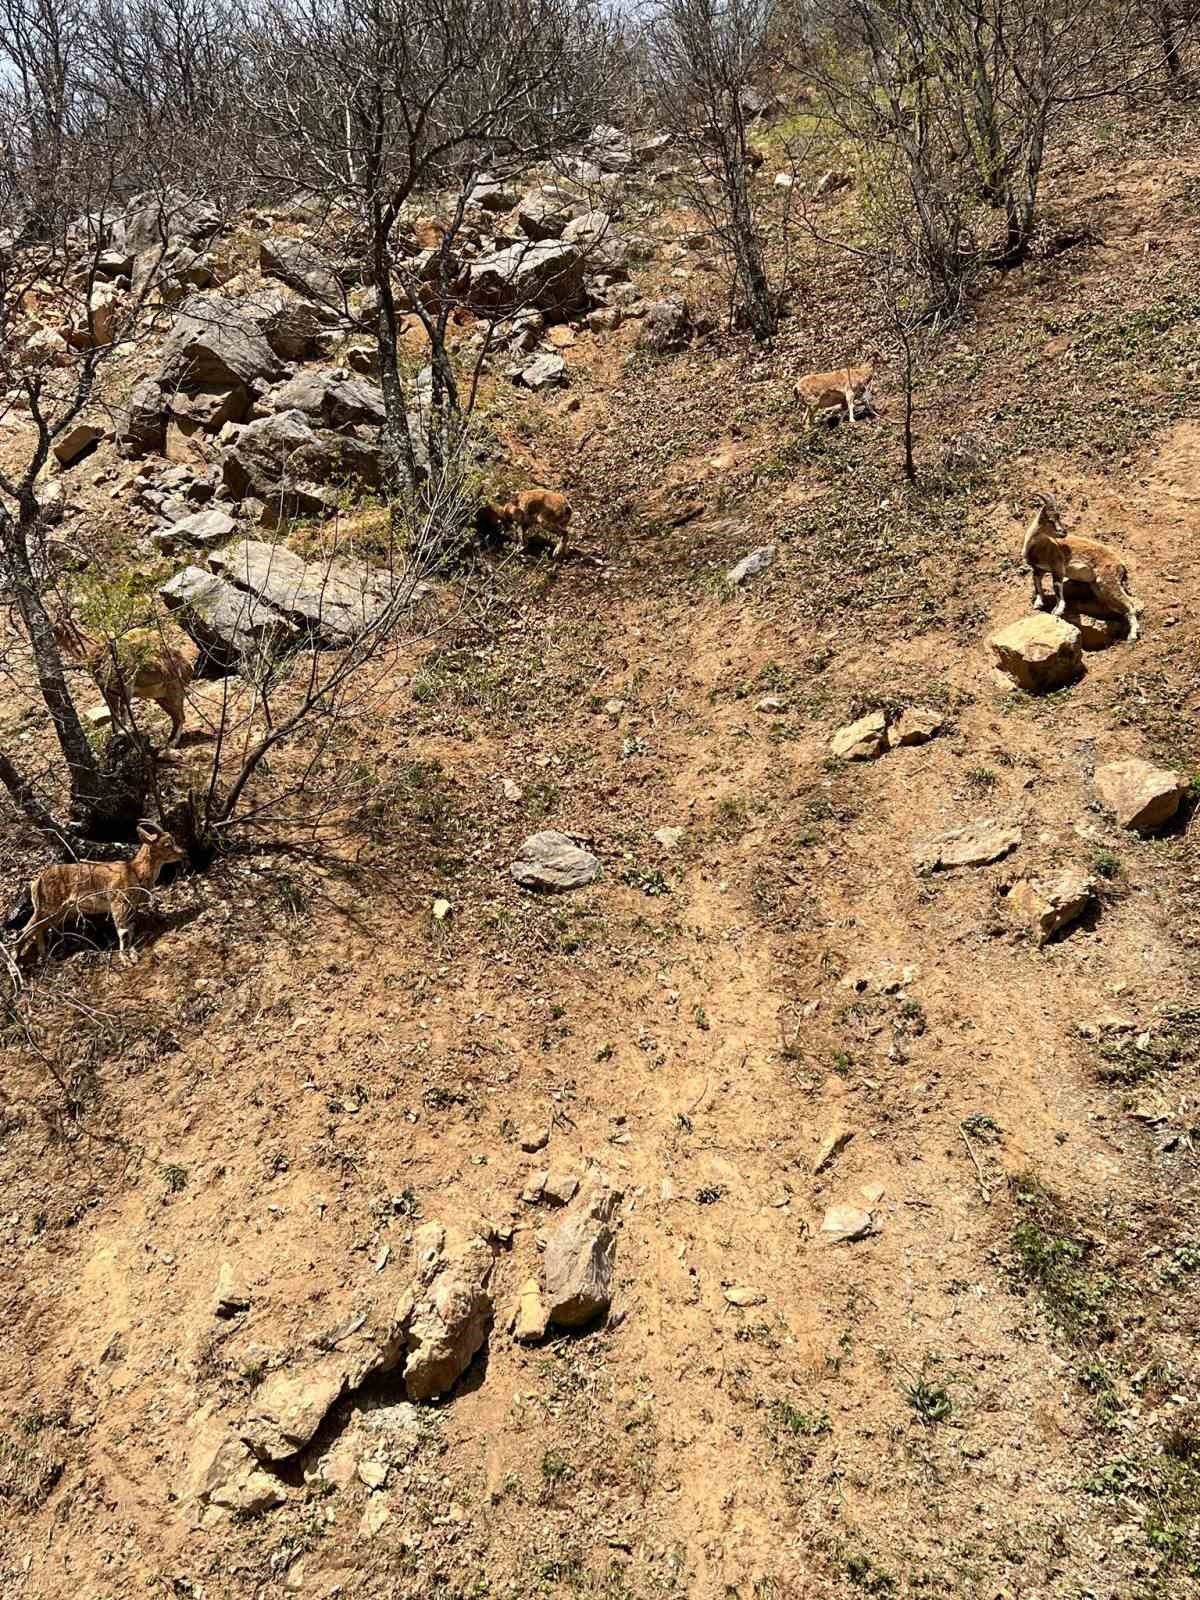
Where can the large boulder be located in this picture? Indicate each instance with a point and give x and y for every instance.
(1040, 652)
(609, 148)
(301, 266)
(229, 625)
(214, 343)
(543, 213)
(282, 460)
(550, 860)
(1140, 795)
(224, 1471)
(580, 1256)
(156, 221)
(667, 324)
(332, 599)
(334, 399)
(443, 1317)
(539, 273)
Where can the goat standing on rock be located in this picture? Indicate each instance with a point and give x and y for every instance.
(1069, 558)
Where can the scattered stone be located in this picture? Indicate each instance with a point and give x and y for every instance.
(331, 398)
(975, 844)
(445, 1313)
(1039, 653)
(76, 442)
(512, 791)
(605, 319)
(543, 372)
(375, 1515)
(544, 213)
(669, 838)
(535, 1138)
(784, 180)
(552, 861)
(529, 1315)
(205, 529)
(741, 1295)
(225, 1473)
(667, 324)
(916, 725)
(1048, 907)
(845, 1223)
(1141, 796)
(144, 425)
(580, 1257)
(751, 565)
(862, 740)
(231, 1295)
(769, 704)
(441, 910)
(831, 1146)
(532, 1192)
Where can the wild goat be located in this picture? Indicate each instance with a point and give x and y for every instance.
(533, 510)
(141, 665)
(61, 894)
(1068, 558)
(835, 391)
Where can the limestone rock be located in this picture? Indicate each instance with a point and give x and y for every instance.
(667, 324)
(975, 844)
(751, 565)
(1048, 906)
(743, 1295)
(916, 725)
(544, 213)
(231, 1294)
(205, 529)
(224, 1472)
(445, 1314)
(862, 740)
(229, 625)
(529, 1314)
(330, 398)
(539, 273)
(1140, 795)
(845, 1223)
(543, 372)
(580, 1257)
(532, 1139)
(554, 862)
(214, 342)
(1040, 652)
(300, 266)
(332, 599)
(76, 442)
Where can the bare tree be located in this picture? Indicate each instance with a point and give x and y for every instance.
(375, 109)
(68, 155)
(702, 55)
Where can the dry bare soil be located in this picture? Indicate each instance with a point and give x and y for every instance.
(992, 1395)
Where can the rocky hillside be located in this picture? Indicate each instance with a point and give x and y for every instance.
(721, 1121)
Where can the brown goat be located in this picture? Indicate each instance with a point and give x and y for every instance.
(533, 510)
(835, 391)
(1068, 558)
(61, 894)
(141, 665)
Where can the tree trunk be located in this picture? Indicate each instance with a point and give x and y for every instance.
(90, 805)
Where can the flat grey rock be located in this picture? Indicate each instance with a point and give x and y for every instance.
(552, 861)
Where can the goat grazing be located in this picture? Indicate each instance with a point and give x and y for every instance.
(1068, 558)
(533, 510)
(139, 666)
(65, 893)
(835, 391)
